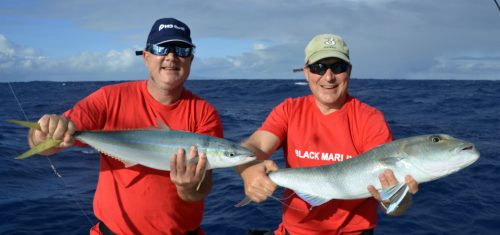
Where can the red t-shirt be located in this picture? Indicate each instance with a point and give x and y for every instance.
(141, 200)
(310, 138)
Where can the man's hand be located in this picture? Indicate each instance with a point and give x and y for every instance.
(258, 186)
(387, 179)
(56, 127)
(190, 178)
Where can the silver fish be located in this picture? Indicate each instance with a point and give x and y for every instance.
(152, 148)
(425, 158)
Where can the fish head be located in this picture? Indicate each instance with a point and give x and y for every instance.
(224, 153)
(438, 155)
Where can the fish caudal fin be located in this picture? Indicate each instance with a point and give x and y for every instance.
(47, 144)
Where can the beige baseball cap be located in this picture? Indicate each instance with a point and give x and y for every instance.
(324, 46)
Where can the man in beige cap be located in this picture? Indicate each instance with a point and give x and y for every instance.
(329, 122)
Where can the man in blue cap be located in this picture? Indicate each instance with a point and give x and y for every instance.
(138, 199)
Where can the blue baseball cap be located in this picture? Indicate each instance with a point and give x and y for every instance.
(168, 30)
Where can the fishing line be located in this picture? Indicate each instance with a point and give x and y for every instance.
(497, 4)
(282, 201)
(50, 162)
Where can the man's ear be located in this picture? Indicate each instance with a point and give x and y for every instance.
(306, 73)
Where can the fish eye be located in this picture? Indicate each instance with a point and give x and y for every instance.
(230, 154)
(435, 139)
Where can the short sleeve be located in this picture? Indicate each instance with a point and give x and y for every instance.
(277, 121)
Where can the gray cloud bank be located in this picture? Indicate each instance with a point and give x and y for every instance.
(404, 39)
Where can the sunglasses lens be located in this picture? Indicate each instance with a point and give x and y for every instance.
(183, 51)
(158, 50)
(339, 67)
(163, 51)
(321, 69)
(317, 69)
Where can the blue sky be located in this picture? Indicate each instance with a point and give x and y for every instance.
(74, 40)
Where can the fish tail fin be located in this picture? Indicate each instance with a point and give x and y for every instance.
(31, 125)
(47, 144)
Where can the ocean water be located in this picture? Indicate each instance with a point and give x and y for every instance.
(35, 200)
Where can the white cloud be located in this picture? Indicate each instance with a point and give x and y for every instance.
(27, 64)
(259, 46)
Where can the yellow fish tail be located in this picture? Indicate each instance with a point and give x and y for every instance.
(31, 125)
(47, 144)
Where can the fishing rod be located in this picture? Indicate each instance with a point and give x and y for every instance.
(497, 4)
(50, 162)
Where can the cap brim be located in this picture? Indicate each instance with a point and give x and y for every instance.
(176, 40)
(326, 54)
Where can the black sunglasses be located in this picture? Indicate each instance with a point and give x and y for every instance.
(320, 69)
(164, 50)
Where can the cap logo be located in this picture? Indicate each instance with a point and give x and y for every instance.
(330, 41)
(169, 26)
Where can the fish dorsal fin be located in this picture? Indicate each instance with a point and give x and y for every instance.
(313, 200)
(395, 195)
(161, 124)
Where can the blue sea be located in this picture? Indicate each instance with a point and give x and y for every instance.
(37, 199)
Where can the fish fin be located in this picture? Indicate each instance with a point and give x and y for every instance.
(312, 199)
(161, 124)
(127, 163)
(394, 195)
(31, 125)
(243, 202)
(47, 144)
(201, 181)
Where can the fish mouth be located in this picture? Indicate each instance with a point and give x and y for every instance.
(463, 156)
(471, 151)
(467, 154)
(248, 159)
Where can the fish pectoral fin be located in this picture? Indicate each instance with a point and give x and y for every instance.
(47, 144)
(201, 181)
(312, 199)
(243, 202)
(31, 125)
(394, 195)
